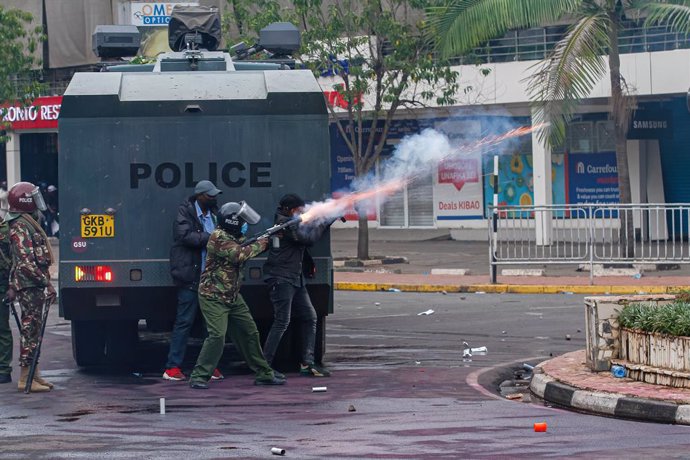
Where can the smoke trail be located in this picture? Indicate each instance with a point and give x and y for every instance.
(415, 156)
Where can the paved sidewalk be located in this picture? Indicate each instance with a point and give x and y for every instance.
(426, 250)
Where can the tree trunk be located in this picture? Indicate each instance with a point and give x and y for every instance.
(363, 235)
(620, 116)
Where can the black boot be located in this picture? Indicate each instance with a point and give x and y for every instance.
(5, 378)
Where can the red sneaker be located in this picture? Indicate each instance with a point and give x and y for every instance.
(217, 375)
(174, 373)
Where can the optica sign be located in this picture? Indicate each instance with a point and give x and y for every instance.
(42, 113)
(154, 13)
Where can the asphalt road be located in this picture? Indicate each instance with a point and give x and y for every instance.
(403, 373)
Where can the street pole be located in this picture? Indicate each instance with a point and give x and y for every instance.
(494, 222)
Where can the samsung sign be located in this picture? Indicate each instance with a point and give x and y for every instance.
(650, 124)
(150, 14)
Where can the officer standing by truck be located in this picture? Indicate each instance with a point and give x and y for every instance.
(5, 331)
(30, 275)
(195, 221)
(221, 303)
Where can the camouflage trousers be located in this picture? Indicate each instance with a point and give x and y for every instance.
(31, 301)
(5, 338)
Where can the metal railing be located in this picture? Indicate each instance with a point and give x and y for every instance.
(537, 43)
(589, 234)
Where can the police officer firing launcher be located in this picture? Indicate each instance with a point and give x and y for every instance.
(221, 303)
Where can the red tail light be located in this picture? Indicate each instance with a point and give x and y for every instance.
(101, 273)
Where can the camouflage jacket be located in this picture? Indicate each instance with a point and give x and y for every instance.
(5, 256)
(221, 278)
(30, 256)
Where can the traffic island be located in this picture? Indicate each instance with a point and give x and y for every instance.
(582, 379)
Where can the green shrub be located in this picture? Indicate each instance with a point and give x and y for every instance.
(671, 319)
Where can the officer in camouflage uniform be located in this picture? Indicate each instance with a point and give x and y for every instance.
(221, 303)
(29, 276)
(5, 331)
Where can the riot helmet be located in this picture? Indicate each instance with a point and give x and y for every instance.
(25, 197)
(232, 217)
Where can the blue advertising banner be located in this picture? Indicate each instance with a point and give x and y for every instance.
(592, 178)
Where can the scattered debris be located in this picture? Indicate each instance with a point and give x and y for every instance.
(637, 276)
(503, 332)
(514, 396)
(277, 451)
(444, 293)
(567, 292)
(528, 367)
(480, 292)
(426, 313)
(567, 337)
(418, 363)
(479, 350)
(463, 298)
(540, 427)
(618, 371)
(351, 408)
(319, 389)
(136, 374)
(393, 290)
(579, 330)
(377, 303)
(161, 403)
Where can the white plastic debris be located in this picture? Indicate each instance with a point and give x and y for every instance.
(161, 403)
(479, 350)
(480, 292)
(319, 389)
(277, 451)
(377, 303)
(393, 290)
(426, 313)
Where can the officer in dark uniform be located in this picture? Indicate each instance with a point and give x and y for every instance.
(30, 275)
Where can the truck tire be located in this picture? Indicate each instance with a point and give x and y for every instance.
(121, 342)
(88, 342)
(320, 343)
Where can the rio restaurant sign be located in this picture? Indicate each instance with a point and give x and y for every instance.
(42, 113)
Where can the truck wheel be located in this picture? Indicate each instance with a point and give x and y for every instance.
(121, 342)
(88, 342)
(320, 343)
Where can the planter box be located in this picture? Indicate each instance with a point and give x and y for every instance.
(601, 326)
(655, 358)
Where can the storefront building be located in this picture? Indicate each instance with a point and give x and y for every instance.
(458, 195)
(31, 151)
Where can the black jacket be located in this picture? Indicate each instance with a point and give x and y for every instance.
(189, 238)
(292, 259)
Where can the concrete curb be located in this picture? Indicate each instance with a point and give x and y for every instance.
(610, 404)
(510, 288)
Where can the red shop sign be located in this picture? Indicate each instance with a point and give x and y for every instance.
(41, 114)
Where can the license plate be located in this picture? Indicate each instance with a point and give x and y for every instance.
(97, 226)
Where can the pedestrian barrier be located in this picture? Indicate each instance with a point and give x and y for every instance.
(589, 234)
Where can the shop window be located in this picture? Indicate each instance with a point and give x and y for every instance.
(581, 137)
(606, 138)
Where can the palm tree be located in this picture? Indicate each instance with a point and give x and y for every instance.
(576, 64)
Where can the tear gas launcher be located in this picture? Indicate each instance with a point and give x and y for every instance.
(271, 231)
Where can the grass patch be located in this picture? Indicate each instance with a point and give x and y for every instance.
(670, 319)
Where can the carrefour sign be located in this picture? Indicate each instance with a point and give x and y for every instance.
(150, 14)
